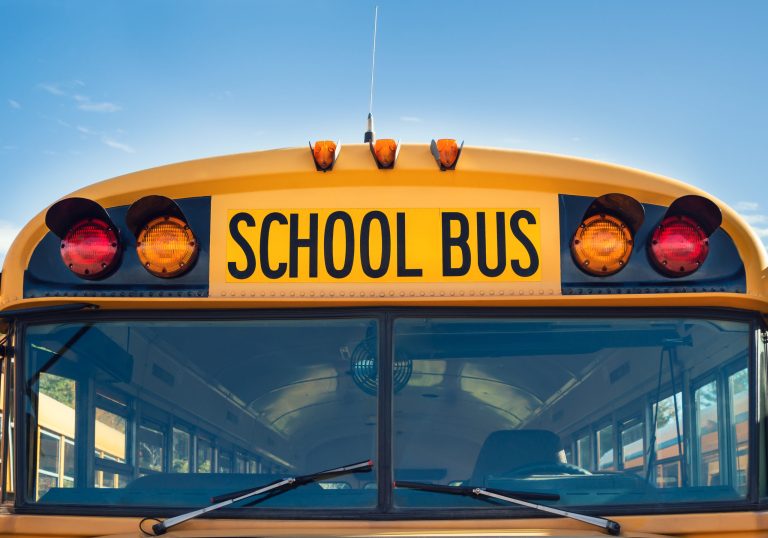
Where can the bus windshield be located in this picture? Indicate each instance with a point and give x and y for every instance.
(599, 411)
(164, 412)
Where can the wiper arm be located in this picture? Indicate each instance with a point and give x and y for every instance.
(277, 487)
(612, 527)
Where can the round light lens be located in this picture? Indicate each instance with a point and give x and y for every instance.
(167, 247)
(678, 246)
(602, 245)
(90, 248)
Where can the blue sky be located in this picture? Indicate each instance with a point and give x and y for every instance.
(93, 89)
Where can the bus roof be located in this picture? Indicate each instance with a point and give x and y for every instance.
(288, 178)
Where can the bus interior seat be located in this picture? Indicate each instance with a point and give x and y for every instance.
(507, 450)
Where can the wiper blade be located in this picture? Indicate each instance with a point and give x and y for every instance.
(612, 527)
(276, 487)
(469, 491)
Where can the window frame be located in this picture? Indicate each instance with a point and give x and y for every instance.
(386, 317)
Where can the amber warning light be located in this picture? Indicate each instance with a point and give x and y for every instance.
(603, 242)
(165, 243)
(166, 247)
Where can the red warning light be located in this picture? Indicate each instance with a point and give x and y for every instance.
(679, 246)
(90, 248)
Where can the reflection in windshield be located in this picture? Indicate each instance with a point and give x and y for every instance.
(621, 411)
(172, 413)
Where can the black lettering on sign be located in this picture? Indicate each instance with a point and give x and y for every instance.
(349, 243)
(278, 218)
(514, 224)
(296, 244)
(365, 244)
(501, 245)
(460, 241)
(402, 265)
(250, 257)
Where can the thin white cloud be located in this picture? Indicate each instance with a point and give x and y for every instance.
(761, 232)
(90, 106)
(746, 206)
(53, 89)
(755, 219)
(112, 143)
(84, 130)
(8, 233)
(84, 102)
(411, 119)
(14, 104)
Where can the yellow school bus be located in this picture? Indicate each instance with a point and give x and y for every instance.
(393, 339)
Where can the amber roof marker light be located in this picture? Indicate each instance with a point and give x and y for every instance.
(385, 152)
(604, 240)
(679, 245)
(325, 153)
(446, 152)
(165, 243)
(89, 241)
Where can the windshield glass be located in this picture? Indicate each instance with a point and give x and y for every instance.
(601, 411)
(171, 413)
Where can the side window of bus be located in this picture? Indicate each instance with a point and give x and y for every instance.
(112, 417)
(605, 449)
(667, 417)
(738, 395)
(632, 435)
(7, 406)
(181, 457)
(56, 438)
(151, 447)
(707, 424)
(584, 451)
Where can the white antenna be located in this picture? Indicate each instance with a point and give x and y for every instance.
(369, 134)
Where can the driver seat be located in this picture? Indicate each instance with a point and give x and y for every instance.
(507, 450)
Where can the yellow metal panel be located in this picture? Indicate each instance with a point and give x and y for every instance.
(731, 524)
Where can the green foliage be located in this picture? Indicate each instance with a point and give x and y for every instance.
(60, 389)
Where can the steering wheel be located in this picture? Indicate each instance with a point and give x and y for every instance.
(551, 468)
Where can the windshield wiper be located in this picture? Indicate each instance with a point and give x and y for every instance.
(612, 527)
(469, 491)
(277, 487)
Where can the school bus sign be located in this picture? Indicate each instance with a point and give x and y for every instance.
(428, 245)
